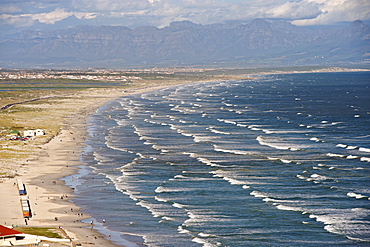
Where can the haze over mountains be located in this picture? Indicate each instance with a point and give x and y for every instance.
(257, 43)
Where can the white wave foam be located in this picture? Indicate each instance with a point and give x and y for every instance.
(344, 222)
(148, 206)
(234, 181)
(178, 205)
(268, 199)
(322, 218)
(357, 239)
(367, 150)
(351, 157)
(316, 177)
(160, 189)
(180, 229)
(166, 218)
(219, 132)
(365, 159)
(230, 151)
(357, 196)
(242, 125)
(201, 241)
(286, 161)
(315, 139)
(335, 155)
(258, 194)
(205, 235)
(288, 208)
(160, 199)
(267, 131)
(280, 146)
(226, 121)
(207, 162)
(341, 145)
(351, 147)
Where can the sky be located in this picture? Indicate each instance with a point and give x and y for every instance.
(17, 15)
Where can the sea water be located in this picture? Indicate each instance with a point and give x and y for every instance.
(282, 160)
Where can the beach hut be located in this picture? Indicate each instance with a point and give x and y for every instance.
(26, 209)
(37, 132)
(15, 132)
(28, 133)
(21, 187)
(14, 135)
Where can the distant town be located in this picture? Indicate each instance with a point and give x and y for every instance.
(71, 75)
(91, 74)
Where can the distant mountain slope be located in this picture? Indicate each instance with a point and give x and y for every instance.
(256, 43)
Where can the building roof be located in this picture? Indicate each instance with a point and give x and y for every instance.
(5, 231)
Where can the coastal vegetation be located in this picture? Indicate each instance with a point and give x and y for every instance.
(40, 231)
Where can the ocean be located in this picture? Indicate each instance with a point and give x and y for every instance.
(280, 160)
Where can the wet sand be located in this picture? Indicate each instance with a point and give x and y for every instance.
(48, 195)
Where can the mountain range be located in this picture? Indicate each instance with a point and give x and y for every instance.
(257, 43)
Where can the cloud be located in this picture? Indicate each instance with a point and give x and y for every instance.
(17, 20)
(52, 17)
(333, 11)
(25, 20)
(9, 8)
(25, 13)
(111, 5)
(295, 10)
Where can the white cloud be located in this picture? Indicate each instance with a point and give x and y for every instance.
(52, 17)
(295, 10)
(87, 16)
(21, 13)
(333, 11)
(9, 8)
(25, 20)
(17, 20)
(110, 5)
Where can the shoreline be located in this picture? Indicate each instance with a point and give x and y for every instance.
(56, 160)
(48, 195)
(44, 177)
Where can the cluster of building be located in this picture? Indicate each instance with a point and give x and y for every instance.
(91, 74)
(15, 135)
(72, 75)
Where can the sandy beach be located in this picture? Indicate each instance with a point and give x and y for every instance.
(58, 158)
(48, 195)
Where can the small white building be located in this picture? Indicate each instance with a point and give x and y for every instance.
(37, 132)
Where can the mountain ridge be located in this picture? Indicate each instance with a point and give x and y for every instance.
(257, 43)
